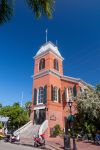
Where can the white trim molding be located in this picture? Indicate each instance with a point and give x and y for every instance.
(49, 46)
(39, 107)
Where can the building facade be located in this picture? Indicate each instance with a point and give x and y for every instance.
(51, 89)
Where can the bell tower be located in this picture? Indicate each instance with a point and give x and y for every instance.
(48, 69)
(48, 58)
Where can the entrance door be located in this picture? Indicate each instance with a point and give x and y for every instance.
(39, 116)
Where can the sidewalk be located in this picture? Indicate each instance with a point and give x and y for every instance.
(58, 143)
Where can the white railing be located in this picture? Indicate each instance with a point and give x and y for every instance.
(43, 127)
(23, 128)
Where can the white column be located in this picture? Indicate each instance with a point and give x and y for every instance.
(67, 95)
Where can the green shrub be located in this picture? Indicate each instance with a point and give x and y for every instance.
(1, 126)
(57, 130)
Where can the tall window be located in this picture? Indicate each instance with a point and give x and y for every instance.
(55, 93)
(40, 95)
(81, 90)
(56, 65)
(70, 92)
(42, 64)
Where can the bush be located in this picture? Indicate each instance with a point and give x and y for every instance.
(1, 126)
(57, 130)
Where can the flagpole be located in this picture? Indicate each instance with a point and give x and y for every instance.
(22, 99)
(46, 35)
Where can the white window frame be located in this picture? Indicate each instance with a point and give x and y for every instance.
(38, 103)
(55, 100)
(70, 92)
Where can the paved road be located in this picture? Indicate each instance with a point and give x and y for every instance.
(9, 146)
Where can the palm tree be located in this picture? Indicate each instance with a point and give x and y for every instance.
(39, 7)
(6, 11)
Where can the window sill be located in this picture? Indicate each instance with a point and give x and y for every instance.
(39, 104)
(55, 101)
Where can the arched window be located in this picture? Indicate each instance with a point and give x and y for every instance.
(40, 95)
(42, 64)
(55, 93)
(56, 65)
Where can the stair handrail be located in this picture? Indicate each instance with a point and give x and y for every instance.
(43, 127)
(21, 128)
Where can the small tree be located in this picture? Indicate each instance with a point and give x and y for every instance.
(57, 130)
(18, 116)
(88, 106)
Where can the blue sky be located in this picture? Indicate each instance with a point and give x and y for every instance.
(76, 27)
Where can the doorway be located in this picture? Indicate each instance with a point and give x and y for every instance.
(39, 116)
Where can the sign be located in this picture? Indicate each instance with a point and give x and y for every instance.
(53, 117)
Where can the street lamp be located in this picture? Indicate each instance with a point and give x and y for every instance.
(70, 120)
(70, 105)
(66, 137)
(67, 145)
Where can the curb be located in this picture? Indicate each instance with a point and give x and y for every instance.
(47, 147)
(56, 148)
(30, 145)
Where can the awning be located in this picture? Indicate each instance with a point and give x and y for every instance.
(39, 107)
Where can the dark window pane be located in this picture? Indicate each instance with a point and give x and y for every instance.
(42, 64)
(56, 65)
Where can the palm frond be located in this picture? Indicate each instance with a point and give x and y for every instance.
(6, 10)
(42, 7)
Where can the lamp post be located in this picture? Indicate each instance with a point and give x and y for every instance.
(67, 145)
(70, 105)
(71, 119)
(66, 137)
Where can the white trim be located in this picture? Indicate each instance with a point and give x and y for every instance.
(38, 94)
(47, 52)
(57, 95)
(40, 74)
(49, 46)
(67, 95)
(39, 107)
(43, 127)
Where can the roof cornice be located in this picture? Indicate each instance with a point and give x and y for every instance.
(75, 80)
(44, 73)
(49, 46)
(46, 52)
(62, 77)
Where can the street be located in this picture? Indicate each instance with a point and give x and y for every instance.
(9, 146)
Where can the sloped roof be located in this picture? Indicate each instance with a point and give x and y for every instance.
(77, 80)
(49, 46)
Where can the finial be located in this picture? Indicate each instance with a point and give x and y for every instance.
(46, 35)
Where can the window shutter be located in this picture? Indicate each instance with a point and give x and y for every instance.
(43, 63)
(59, 97)
(35, 96)
(45, 95)
(65, 94)
(74, 91)
(52, 98)
(40, 65)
